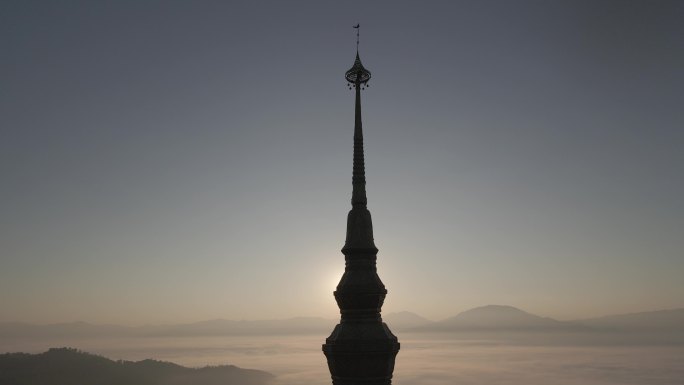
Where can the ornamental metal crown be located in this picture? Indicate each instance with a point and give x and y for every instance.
(358, 73)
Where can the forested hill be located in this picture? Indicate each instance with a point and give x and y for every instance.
(66, 366)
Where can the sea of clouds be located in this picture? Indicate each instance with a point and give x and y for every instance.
(423, 359)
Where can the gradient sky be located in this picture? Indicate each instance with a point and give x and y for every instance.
(173, 161)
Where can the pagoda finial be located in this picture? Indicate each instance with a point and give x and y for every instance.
(358, 75)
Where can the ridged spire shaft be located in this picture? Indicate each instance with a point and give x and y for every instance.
(359, 223)
(359, 171)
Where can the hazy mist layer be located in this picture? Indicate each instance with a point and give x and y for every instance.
(436, 360)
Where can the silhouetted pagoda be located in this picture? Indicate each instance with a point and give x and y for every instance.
(361, 348)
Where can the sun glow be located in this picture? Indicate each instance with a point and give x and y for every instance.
(334, 279)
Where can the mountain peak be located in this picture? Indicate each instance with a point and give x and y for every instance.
(500, 317)
(495, 308)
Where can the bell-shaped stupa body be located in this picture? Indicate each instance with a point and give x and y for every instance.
(361, 348)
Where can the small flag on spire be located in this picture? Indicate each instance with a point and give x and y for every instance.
(357, 25)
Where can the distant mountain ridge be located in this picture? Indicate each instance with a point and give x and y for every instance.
(229, 327)
(70, 366)
(215, 327)
(485, 318)
(405, 320)
(511, 325)
(671, 320)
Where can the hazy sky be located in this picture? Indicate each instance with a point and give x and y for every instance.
(170, 161)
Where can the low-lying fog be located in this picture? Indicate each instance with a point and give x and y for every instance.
(424, 359)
